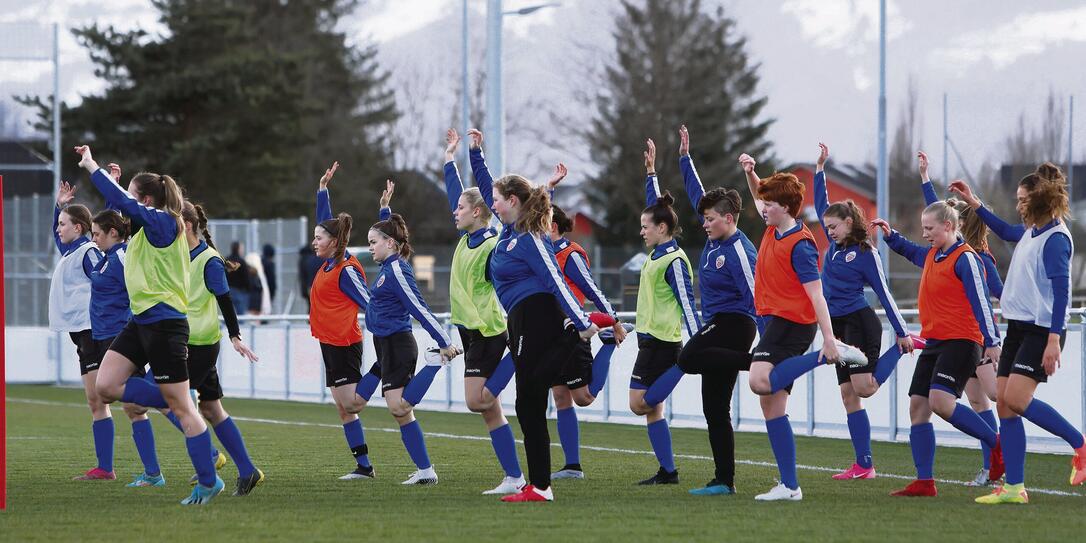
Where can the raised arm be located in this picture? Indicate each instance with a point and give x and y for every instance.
(682, 286)
(901, 245)
(454, 187)
(694, 189)
(161, 227)
(324, 200)
(970, 271)
(925, 182)
(479, 169)
(65, 195)
(747, 162)
(1003, 229)
(560, 173)
(652, 186)
(385, 213)
(821, 194)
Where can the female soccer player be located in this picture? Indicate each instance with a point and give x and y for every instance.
(852, 262)
(981, 388)
(1035, 302)
(209, 295)
(337, 293)
(156, 268)
(477, 315)
(395, 298)
(788, 293)
(582, 376)
(665, 302)
(69, 300)
(957, 324)
(721, 348)
(530, 287)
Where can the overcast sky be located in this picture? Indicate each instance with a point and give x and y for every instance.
(819, 63)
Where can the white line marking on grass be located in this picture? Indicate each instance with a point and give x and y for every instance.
(757, 463)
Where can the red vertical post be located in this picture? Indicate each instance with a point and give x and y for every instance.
(3, 373)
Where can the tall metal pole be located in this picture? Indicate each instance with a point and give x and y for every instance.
(882, 193)
(56, 112)
(1071, 152)
(465, 105)
(495, 114)
(946, 136)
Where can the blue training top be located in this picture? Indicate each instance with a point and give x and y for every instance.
(160, 227)
(726, 267)
(109, 307)
(847, 269)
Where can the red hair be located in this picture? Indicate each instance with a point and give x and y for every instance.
(784, 189)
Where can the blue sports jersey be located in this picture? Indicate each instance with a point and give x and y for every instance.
(109, 309)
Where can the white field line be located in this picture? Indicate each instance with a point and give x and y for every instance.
(442, 435)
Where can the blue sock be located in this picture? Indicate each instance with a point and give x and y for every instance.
(969, 422)
(859, 428)
(231, 440)
(200, 453)
(886, 364)
(922, 443)
(783, 444)
(415, 443)
(1012, 437)
(1046, 417)
(660, 438)
(989, 418)
(140, 392)
(366, 387)
(102, 429)
(356, 440)
(177, 424)
(144, 436)
(663, 386)
(785, 373)
(501, 376)
(505, 448)
(569, 434)
(418, 385)
(601, 365)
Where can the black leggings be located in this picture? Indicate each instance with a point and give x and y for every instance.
(540, 346)
(719, 351)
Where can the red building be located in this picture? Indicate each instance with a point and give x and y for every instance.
(842, 183)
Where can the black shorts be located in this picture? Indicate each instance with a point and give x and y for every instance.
(396, 355)
(203, 375)
(654, 357)
(1024, 349)
(783, 339)
(539, 341)
(90, 351)
(730, 334)
(342, 364)
(576, 372)
(162, 344)
(947, 363)
(482, 354)
(862, 330)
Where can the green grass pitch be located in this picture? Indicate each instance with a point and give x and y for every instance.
(301, 449)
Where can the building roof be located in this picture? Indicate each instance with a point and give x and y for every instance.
(860, 179)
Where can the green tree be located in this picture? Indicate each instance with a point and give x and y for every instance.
(675, 63)
(245, 103)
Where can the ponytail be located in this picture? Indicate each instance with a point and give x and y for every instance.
(1048, 198)
(195, 215)
(339, 228)
(535, 204)
(164, 192)
(561, 220)
(395, 228)
(662, 213)
(849, 210)
(973, 229)
(110, 219)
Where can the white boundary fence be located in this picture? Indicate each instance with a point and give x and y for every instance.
(290, 368)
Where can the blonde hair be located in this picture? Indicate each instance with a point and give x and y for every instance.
(474, 198)
(943, 211)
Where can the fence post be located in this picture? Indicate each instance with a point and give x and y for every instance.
(810, 403)
(1082, 367)
(252, 367)
(286, 361)
(277, 258)
(892, 426)
(736, 415)
(448, 374)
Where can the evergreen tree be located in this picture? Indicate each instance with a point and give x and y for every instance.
(676, 64)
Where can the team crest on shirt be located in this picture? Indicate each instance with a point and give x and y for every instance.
(850, 256)
(512, 243)
(380, 281)
(720, 262)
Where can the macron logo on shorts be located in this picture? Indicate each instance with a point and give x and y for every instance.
(340, 380)
(162, 377)
(1024, 368)
(708, 329)
(473, 370)
(947, 377)
(760, 353)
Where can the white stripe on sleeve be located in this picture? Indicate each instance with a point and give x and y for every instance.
(744, 262)
(576, 258)
(684, 301)
(358, 284)
(975, 269)
(410, 292)
(891, 312)
(567, 296)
